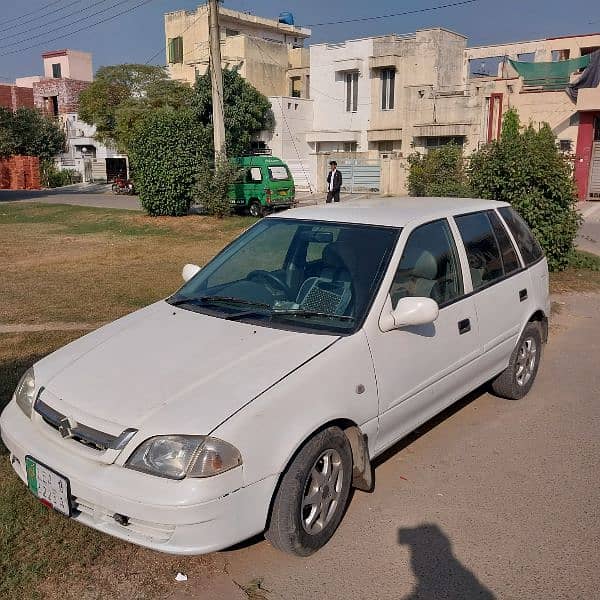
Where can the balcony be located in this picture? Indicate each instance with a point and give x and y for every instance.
(588, 99)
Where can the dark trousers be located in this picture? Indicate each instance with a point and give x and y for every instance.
(335, 196)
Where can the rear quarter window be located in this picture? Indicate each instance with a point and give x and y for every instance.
(531, 251)
(278, 173)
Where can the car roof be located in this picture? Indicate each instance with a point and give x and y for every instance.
(258, 160)
(391, 212)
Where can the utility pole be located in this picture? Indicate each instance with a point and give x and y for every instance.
(216, 77)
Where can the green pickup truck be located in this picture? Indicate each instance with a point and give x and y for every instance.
(265, 184)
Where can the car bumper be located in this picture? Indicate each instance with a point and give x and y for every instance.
(178, 517)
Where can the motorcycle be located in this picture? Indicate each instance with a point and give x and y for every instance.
(123, 186)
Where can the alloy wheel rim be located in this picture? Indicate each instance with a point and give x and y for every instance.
(322, 492)
(526, 360)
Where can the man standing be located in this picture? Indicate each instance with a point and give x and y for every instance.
(334, 183)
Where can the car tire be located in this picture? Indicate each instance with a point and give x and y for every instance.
(516, 380)
(255, 209)
(312, 495)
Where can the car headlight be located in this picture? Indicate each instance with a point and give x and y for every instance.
(25, 392)
(179, 456)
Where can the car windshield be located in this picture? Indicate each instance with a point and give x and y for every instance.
(288, 273)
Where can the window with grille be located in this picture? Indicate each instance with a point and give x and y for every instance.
(352, 92)
(388, 79)
(175, 50)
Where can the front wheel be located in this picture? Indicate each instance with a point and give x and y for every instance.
(312, 495)
(517, 379)
(114, 188)
(255, 209)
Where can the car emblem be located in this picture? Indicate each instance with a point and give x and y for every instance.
(66, 427)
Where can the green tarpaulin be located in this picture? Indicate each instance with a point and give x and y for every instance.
(549, 74)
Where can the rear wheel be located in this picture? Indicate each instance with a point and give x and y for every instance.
(517, 379)
(255, 209)
(114, 188)
(312, 495)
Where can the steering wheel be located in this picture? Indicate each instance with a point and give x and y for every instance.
(271, 281)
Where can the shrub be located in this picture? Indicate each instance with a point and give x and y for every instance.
(525, 168)
(166, 150)
(212, 186)
(440, 172)
(53, 177)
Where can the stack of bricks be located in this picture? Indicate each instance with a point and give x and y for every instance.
(20, 173)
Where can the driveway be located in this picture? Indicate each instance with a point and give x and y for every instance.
(589, 234)
(94, 195)
(494, 499)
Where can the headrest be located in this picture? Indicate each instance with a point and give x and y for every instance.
(425, 266)
(332, 256)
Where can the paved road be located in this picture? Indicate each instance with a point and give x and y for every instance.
(498, 499)
(80, 195)
(589, 234)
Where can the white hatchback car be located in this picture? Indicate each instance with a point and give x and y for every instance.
(256, 396)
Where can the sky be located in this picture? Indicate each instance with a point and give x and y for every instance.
(138, 35)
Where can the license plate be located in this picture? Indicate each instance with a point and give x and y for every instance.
(52, 489)
(283, 192)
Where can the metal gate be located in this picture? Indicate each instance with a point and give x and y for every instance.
(360, 174)
(594, 186)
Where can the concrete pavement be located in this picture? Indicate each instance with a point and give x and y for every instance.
(94, 195)
(588, 238)
(494, 499)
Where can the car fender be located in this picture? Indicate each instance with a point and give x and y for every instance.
(336, 386)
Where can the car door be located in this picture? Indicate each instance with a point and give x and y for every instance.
(501, 287)
(422, 369)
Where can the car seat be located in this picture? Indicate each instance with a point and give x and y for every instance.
(331, 291)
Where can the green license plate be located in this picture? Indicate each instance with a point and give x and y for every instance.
(52, 489)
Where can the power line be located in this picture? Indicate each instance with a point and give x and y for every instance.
(123, 12)
(66, 25)
(400, 14)
(42, 16)
(61, 18)
(12, 19)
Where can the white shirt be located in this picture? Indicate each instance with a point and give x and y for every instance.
(331, 180)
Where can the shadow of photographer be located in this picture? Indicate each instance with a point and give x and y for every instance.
(439, 574)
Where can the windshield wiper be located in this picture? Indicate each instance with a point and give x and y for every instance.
(299, 312)
(218, 300)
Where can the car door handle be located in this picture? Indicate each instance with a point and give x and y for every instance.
(522, 295)
(464, 326)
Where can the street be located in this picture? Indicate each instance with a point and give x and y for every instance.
(494, 499)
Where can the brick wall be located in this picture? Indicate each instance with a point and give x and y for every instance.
(20, 173)
(14, 97)
(66, 90)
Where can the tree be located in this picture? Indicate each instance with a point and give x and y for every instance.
(212, 186)
(122, 95)
(440, 172)
(29, 132)
(246, 110)
(525, 168)
(166, 150)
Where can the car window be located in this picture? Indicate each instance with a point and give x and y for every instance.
(508, 253)
(267, 253)
(314, 249)
(429, 266)
(278, 173)
(254, 175)
(483, 253)
(530, 249)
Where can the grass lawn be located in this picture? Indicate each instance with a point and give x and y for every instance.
(72, 264)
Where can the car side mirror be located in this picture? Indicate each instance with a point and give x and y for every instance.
(189, 271)
(410, 311)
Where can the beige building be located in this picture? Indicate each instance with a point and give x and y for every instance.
(267, 53)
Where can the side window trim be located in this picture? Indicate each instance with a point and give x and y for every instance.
(464, 259)
(514, 247)
(512, 239)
